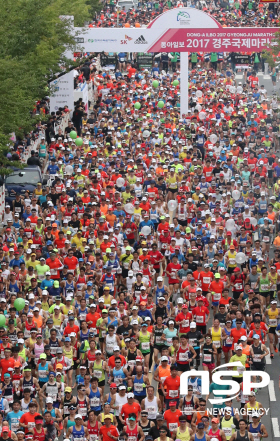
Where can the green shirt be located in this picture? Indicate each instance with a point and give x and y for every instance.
(243, 360)
(214, 386)
(52, 307)
(41, 271)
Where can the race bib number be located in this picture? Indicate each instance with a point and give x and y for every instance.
(217, 344)
(173, 393)
(207, 358)
(145, 346)
(188, 411)
(183, 356)
(97, 374)
(95, 402)
(138, 387)
(173, 427)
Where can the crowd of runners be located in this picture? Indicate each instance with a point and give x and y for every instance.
(153, 250)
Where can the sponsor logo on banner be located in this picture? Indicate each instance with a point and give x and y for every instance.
(183, 17)
(140, 40)
(101, 40)
(126, 39)
(233, 392)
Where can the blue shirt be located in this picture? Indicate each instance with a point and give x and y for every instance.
(13, 418)
(53, 169)
(16, 262)
(145, 313)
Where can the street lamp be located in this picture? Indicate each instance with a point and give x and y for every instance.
(118, 10)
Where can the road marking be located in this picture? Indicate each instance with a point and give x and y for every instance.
(275, 427)
(271, 391)
(238, 77)
(267, 77)
(268, 359)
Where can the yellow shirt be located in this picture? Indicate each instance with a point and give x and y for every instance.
(125, 196)
(77, 241)
(33, 264)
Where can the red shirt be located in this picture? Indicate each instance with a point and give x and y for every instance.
(71, 262)
(130, 408)
(155, 256)
(206, 278)
(105, 430)
(70, 329)
(5, 365)
(185, 326)
(172, 385)
(200, 312)
(172, 268)
(29, 419)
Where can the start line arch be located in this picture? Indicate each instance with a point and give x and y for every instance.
(181, 30)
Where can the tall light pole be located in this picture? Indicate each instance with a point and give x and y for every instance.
(118, 10)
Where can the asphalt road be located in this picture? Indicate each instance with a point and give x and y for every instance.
(268, 396)
(264, 79)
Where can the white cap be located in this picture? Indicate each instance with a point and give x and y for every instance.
(130, 273)
(116, 348)
(49, 400)
(130, 395)
(243, 338)
(238, 347)
(164, 358)
(193, 325)
(160, 279)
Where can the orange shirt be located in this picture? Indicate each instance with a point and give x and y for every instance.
(105, 430)
(236, 335)
(172, 419)
(111, 219)
(39, 322)
(104, 209)
(271, 216)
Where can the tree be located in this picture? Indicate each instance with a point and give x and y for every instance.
(33, 39)
(272, 54)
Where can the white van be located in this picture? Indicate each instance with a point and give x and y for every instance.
(127, 4)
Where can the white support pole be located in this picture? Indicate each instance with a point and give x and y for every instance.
(184, 83)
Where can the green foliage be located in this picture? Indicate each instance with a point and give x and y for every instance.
(33, 38)
(271, 55)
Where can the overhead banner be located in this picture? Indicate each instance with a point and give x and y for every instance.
(180, 30)
(220, 40)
